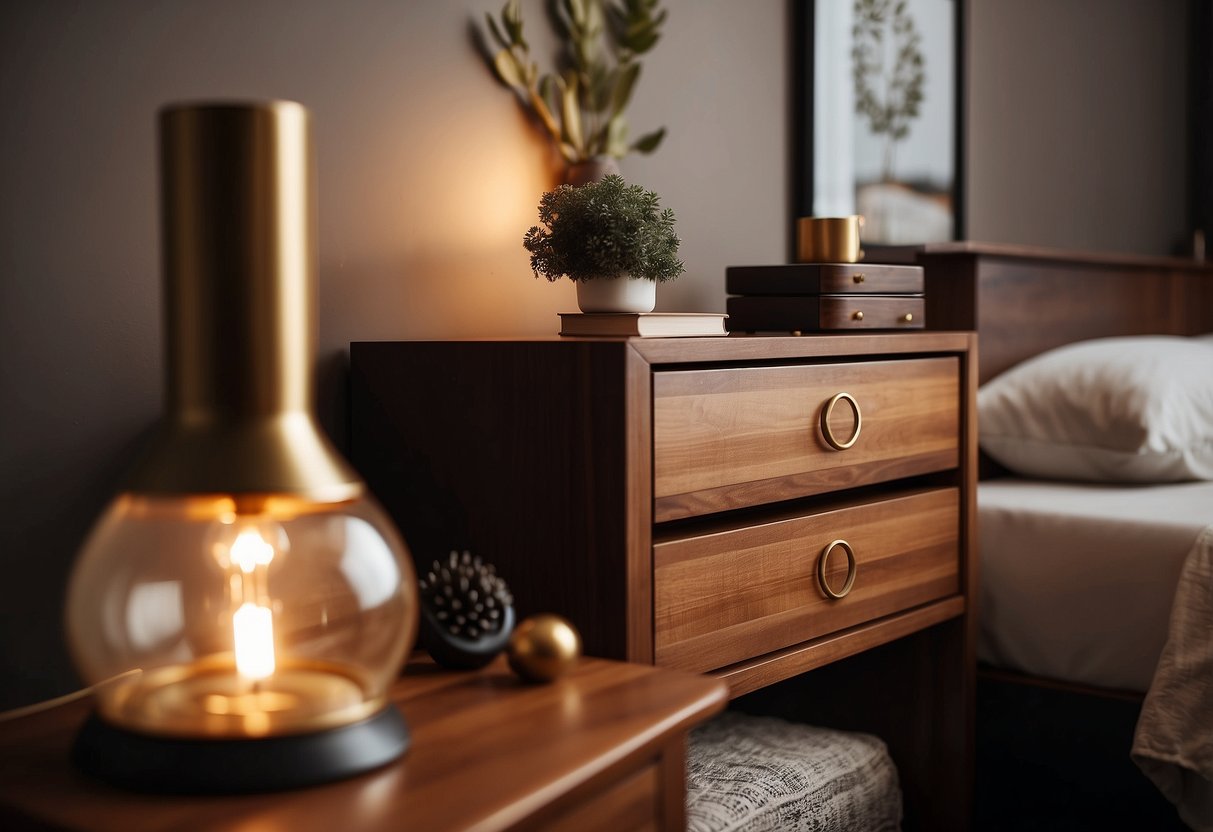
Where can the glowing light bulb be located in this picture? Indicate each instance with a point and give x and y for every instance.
(253, 627)
(253, 621)
(250, 550)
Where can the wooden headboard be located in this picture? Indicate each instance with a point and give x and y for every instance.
(1023, 301)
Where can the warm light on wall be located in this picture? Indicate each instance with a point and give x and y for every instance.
(261, 595)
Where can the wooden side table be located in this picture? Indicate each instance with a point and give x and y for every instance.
(603, 748)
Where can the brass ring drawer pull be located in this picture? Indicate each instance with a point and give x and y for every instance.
(824, 560)
(828, 411)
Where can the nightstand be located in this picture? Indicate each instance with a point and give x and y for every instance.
(601, 749)
(749, 507)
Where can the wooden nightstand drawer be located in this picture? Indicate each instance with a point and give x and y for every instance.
(726, 596)
(730, 438)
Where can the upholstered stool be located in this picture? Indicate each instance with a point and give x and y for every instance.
(758, 773)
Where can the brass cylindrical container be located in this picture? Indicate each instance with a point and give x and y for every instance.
(828, 239)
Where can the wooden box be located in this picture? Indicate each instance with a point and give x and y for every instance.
(823, 279)
(824, 297)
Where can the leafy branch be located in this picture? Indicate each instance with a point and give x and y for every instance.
(887, 52)
(581, 104)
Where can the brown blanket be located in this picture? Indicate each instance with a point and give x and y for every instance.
(1174, 740)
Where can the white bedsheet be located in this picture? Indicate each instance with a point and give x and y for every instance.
(1077, 581)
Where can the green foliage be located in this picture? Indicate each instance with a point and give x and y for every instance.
(887, 54)
(603, 229)
(581, 105)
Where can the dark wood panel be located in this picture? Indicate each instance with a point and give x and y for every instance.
(518, 452)
(1024, 301)
(822, 279)
(1035, 254)
(1023, 310)
(825, 313)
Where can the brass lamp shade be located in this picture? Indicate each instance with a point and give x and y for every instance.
(239, 278)
(250, 602)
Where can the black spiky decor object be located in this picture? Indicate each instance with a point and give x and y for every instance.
(467, 612)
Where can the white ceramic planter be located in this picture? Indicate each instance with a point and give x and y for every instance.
(617, 294)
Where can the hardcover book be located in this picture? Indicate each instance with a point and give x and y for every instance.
(645, 324)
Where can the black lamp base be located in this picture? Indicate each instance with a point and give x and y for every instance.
(198, 766)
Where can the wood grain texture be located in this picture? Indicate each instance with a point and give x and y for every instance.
(1065, 256)
(488, 753)
(1024, 300)
(766, 348)
(639, 514)
(728, 596)
(531, 455)
(822, 279)
(839, 312)
(728, 438)
(826, 313)
(754, 674)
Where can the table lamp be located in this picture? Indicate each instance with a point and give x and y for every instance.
(246, 598)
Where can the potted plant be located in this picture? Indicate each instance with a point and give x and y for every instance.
(609, 238)
(581, 105)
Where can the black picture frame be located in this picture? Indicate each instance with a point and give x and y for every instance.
(802, 17)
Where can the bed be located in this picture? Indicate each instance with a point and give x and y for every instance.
(1096, 578)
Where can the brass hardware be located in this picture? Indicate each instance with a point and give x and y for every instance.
(858, 315)
(851, 569)
(828, 411)
(907, 318)
(858, 278)
(239, 282)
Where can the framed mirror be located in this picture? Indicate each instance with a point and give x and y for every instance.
(878, 91)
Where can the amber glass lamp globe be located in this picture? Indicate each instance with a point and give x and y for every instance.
(244, 604)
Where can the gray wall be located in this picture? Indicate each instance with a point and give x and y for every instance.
(1077, 123)
(428, 177)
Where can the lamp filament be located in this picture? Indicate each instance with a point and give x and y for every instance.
(253, 620)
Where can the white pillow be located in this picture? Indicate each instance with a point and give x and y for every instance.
(1137, 409)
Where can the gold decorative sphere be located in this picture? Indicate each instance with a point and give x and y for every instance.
(544, 647)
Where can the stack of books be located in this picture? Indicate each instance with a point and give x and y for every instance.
(643, 324)
(824, 297)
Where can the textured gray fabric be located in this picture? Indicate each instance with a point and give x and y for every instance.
(760, 774)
